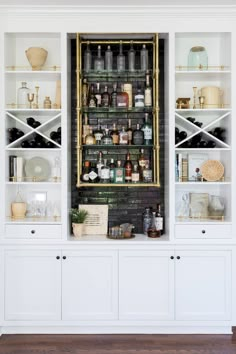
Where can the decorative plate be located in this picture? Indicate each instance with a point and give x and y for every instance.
(212, 170)
(38, 169)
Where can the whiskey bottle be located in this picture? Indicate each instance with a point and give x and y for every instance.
(127, 87)
(87, 59)
(98, 94)
(99, 61)
(119, 173)
(147, 131)
(92, 101)
(152, 230)
(141, 163)
(131, 57)
(138, 136)
(139, 98)
(159, 219)
(100, 163)
(105, 98)
(90, 138)
(115, 135)
(85, 128)
(147, 173)
(121, 59)
(122, 98)
(105, 173)
(147, 92)
(108, 59)
(123, 137)
(112, 166)
(128, 169)
(93, 174)
(113, 99)
(144, 58)
(85, 174)
(135, 176)
(85, 90)
(106, 139)
(98, 134)
(130, 132)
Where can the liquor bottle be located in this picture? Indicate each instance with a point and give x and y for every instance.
(98, 95)
(159, 219)
(147, 173)
(122, 98)
(105, 98)
(131, 57)
(141, 163)
(85, 173)
(182, 135)
(119, 173)
(100, 163)
(108, 59)
(106, 139)
(147, 131)
(105, 173)
(121, 59)
(147, 219)
(98, 134)
(138, 136)
(127, 87)
(90, 138)
(135, 176)
(93, 174)
(130, 132)
(92, 101)
(87, 59)
(147, 92)
(112, 166)
(85, 128)
(123, 137)
(139, 98)
(144, 58)
(211, 144)
(85, 90)
(113, 99)
(152, 230)
(99, 61)
(115, 135)
(128, 168)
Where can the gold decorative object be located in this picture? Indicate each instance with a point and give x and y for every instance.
(47, 104)
(183, 103)
(201, 101)
(212, 170)
(30, 97)
(36, 57)
(37, 97)
(194, 96)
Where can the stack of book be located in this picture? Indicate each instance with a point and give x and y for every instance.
(16, 168)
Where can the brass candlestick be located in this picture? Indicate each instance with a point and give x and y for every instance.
(201, 101)
(37, 97)
(194, 96)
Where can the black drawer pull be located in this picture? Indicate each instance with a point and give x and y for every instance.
(64, 257)
(57, 257)
(172, 257)
(203, 231)
(32, 231)
(178, 257)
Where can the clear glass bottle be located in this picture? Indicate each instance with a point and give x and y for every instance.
(147, 173)
(99, 61)
(139, 98)
(108, 59)
(92, 101)
(119, 173)
(90, 138)
(115, 135)
(121, 59)
(98, 94)
(135, 176)
(112, 166)
(22, 96)
(129, 132)
(113, 100)
(131, 57)
(147, 219)
(144, 58)
(138, 136)
(106, 139)
(100, 163)
(87, 59)
(147, 130)
(147, 92)
(159, 219)
(105, 173)
(123, 137)
(122, 98)
(105, 102)
(128, 169)
(152, 230)
(98, 133)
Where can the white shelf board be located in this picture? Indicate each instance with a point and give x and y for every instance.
(34, 183)
(202, 149)
(202, 183)
(33, 149)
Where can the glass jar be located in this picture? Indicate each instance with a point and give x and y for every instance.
(22, 96)
(47, 104)
(197, 59)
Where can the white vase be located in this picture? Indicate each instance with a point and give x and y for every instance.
(18, 210)
(77, 230)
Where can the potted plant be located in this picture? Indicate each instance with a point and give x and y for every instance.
(78, 217)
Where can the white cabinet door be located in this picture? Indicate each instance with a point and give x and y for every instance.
(90, 285)
(32, 285)
(203, 285)
(146, 285)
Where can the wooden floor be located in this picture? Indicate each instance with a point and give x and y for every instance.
(118, 344)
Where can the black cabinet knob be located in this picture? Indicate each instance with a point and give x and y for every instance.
(203, 231)
(178, 257)
(32, 231)
(57, 257)
(64, 257)
(172, 257)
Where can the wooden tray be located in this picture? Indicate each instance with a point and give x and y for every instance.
(120, 237)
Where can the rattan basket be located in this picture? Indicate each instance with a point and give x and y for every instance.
(212, 170)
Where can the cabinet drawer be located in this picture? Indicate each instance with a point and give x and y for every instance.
(203, 231)
(33, 231)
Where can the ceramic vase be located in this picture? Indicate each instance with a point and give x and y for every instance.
(77, 230)
(18, 210)
(36, 57)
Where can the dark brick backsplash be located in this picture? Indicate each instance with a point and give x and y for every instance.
(126, 204)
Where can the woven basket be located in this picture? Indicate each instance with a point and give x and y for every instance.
(212, 170)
